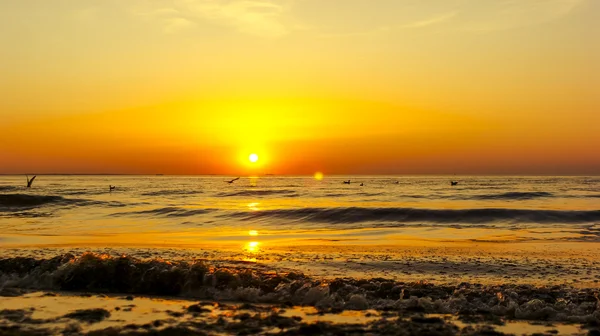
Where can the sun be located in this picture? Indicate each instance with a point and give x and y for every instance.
(253, 157)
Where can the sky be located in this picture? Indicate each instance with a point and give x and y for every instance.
(336, 86)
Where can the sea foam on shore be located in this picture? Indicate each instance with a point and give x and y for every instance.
(199, 280)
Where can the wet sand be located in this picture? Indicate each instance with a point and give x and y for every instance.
(436, 288)
(37, 313)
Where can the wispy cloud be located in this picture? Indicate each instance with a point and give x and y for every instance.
(255, 17)
(431, 21)
(387, 29)
(171, 19)
(175, 24)
(276, 18)
(492, 15)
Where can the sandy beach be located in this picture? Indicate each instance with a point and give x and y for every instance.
(472, 289)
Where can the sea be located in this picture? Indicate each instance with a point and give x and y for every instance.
(256, 212)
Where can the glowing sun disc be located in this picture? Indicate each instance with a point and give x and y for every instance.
(253, 158)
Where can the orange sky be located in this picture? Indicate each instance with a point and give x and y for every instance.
(343, 87)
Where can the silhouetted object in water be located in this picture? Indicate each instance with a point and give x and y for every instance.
(235, 179)
(347, 182)
(453, 183)
(397, 182)
(362, 184)
(30, 181)
(111, 188)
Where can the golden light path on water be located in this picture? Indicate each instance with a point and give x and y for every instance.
(252, 247)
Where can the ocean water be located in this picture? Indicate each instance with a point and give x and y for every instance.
(258, 212)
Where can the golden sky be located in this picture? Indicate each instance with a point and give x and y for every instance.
(339, 86)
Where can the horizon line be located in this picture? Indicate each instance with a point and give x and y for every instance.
(293, 175)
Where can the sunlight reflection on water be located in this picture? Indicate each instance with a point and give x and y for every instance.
(156, 210)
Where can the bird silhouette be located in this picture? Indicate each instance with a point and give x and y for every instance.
(231, 181)
(362, 184)
(30, 181)
(111, 188)
(347, 182)
(453, 183)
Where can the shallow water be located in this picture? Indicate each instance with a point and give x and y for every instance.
(268, 211)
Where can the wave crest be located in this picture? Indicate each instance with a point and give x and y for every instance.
(106, 274)
(171, 192)
(31, 201)
(167, 212)
(285, 192)
(23, 201)
(8, 188)
(515, 195)
(408, 215)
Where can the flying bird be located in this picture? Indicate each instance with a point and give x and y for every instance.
(453, 183)
(30, 181)
(235, 179)
(111, 188)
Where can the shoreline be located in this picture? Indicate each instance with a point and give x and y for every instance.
(576, 264)
(297, 290)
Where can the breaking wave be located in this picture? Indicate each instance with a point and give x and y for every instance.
(127, 275)
(173, 192)
(514, 195)
(87, 192)
(285, 192)
(31, 201)
(8, 188)
(167, 212)
(333, 195)
(24, 201)
(469, 216)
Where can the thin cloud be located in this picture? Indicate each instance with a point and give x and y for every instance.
(175, 24)
(255, 17)
(277, 18)
(510, 14)
(171, 19)
(373, 32)
(431, 21)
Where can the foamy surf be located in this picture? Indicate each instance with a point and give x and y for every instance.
(394, 304)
